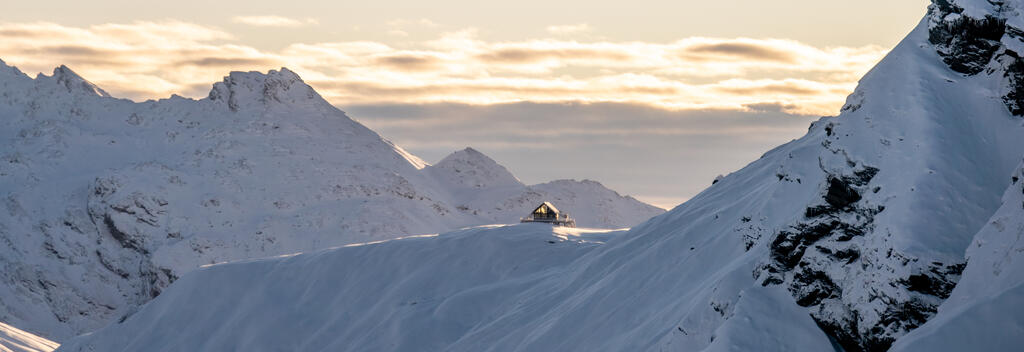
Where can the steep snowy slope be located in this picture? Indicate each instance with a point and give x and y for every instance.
(864, 223)
(106, 201)
(13, 339)
(985, 312)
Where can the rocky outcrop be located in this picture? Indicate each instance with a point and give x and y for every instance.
(970, 42)
(966, 44)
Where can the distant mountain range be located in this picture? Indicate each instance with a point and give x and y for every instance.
(107, 201)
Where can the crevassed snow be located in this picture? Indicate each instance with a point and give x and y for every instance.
(104, 201)
(864, 222)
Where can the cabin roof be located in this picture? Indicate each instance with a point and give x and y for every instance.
(550, 206)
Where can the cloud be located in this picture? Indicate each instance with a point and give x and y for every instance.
(409, 61)
(743, 51)
(569, 29)
(142, 60)
(273, 21)
(229, 61)
(770, 107)
(533, 52)
(771, 87)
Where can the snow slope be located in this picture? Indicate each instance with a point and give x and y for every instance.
(106, 201)
(985, 312)
(420, 293)
(13, 339)
(864, 222)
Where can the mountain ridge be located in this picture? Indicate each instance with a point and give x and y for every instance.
(108, 201)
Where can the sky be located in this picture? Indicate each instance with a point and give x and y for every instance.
(651, 98)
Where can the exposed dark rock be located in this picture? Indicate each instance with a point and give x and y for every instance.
(1014, 98)
(863, 176)
(965, 43)
(908, 314)
(840, 332)
(848, 255)
(817, 210)
(938, 281)
(772, 280)
(789, 245)
(810, 287)
(126, 240)
(842, 216)
(110, 266)
(968, 45)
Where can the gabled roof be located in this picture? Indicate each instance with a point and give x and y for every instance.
(550, 206)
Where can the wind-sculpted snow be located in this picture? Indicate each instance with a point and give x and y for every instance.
(864, 222)
(13, 339)
(104, 202)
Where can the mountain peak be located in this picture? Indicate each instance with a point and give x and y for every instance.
(472, 168)
(281, 86)
(470, 152)
(470, 156)
(11, 70)
(63, 76)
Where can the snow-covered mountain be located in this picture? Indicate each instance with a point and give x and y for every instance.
(477, 182)
(902, 213)
(106, 201)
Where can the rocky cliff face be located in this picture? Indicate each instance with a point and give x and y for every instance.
(973, 36)
(855, 256)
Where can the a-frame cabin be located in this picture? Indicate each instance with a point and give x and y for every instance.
(547, 213)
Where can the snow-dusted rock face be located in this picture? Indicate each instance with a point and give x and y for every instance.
(104, 202)
(975, 35)
(864, 223)
(908, 179)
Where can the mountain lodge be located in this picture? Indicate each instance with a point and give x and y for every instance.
(547, 213)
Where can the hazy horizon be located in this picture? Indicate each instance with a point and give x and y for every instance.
(653, 100)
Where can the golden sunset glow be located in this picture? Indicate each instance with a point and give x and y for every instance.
(152, 60)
